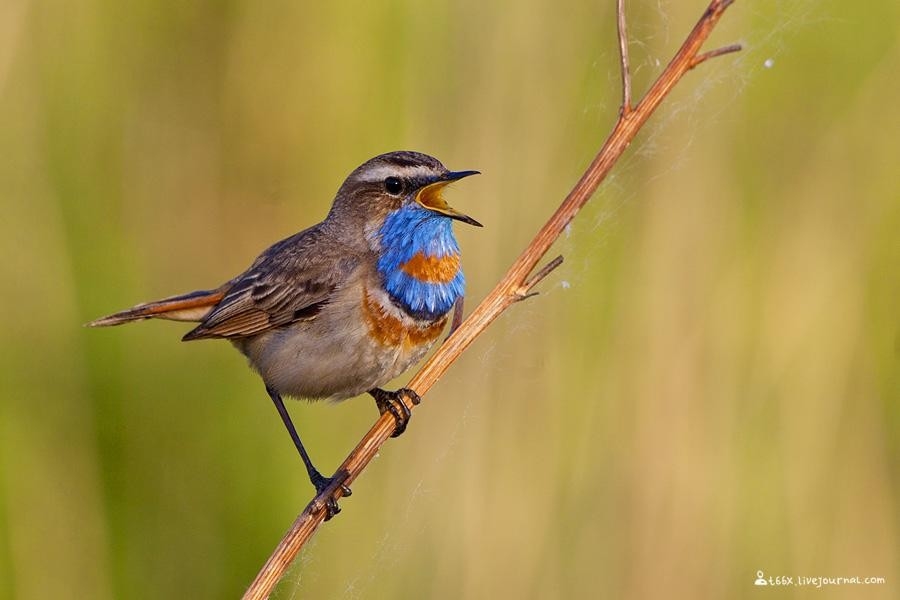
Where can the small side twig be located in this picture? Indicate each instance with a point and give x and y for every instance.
(511, 287)
(542, 273)
(714, 53)
(524, 292)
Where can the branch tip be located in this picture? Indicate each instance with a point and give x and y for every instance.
(623, 56)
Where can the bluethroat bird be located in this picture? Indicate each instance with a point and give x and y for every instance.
(345, 306)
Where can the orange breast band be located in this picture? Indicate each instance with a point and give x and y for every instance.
(388, 330)
(432, 269)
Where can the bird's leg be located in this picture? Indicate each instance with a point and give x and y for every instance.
(319, 481)
(392, 402)
(457, 318)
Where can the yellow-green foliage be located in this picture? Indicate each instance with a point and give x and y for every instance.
(708, 387)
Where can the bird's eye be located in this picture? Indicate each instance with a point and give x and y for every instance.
(393, 186)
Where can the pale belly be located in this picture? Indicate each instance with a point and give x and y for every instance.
(357, 343)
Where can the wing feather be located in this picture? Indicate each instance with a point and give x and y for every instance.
(291, 281)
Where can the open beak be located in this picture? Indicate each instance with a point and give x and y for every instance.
(431, 197)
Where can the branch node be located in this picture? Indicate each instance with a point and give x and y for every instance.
(520, 295)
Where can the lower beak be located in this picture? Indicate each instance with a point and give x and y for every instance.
(431, 197)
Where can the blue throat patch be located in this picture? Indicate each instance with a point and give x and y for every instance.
(406, 232)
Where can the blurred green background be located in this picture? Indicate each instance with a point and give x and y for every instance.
(708, 387)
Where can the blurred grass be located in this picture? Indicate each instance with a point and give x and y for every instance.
(708, 387)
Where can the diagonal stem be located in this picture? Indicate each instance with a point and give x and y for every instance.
(508, 289)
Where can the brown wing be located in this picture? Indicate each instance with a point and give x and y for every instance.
(289, 282)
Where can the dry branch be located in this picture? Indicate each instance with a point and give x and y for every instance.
(515, 285)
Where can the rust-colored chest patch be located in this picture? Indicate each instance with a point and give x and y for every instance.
(388, 330)
(432, 269)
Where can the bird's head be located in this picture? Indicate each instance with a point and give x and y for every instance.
(397, 180)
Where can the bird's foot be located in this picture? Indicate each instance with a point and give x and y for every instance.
(392, 402)
(320, 482)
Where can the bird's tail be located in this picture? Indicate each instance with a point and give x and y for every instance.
(186, 307)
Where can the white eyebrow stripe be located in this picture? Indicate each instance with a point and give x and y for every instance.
(384, 171)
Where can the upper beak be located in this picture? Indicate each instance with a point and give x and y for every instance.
(431, 198)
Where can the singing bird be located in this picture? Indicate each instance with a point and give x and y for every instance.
(345, 306)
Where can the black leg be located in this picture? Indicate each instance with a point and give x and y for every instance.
(319, 481)
(392, 402)
(457, 318)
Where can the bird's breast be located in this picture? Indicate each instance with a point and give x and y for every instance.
(387, 326)
(425, 287)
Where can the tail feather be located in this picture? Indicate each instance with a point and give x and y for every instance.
(186, 307)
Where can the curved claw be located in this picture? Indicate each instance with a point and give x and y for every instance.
(392, 402)
(321, 483)
(415, 398)
(331, 508)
